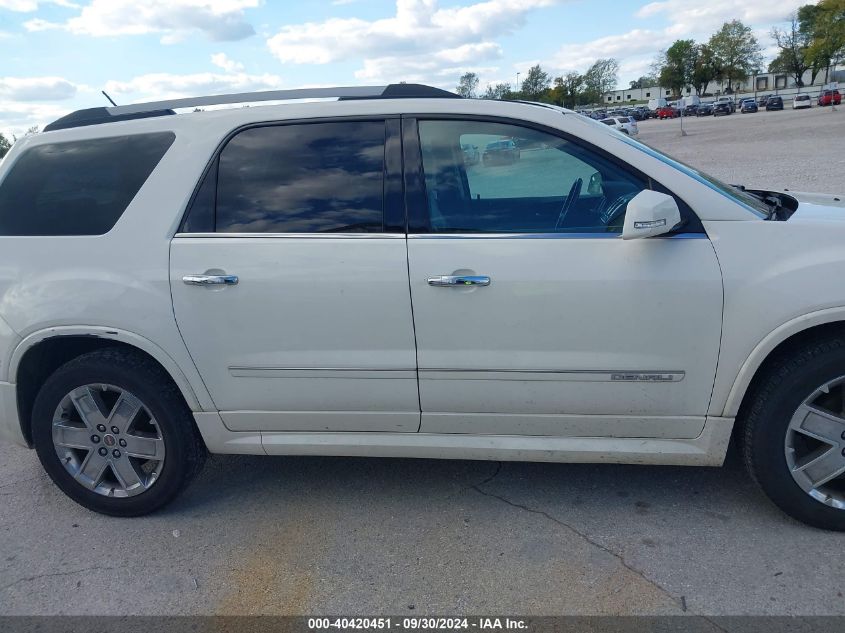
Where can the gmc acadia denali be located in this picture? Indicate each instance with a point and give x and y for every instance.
(335, 278)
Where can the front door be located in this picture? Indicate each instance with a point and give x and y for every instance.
(532, 316)
(290, 284)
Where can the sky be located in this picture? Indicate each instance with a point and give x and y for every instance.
(59, 54)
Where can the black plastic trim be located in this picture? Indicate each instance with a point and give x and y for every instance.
(96, 116)
(394, 204)
(416, 202)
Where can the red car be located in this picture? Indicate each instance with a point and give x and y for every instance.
(828, 97)
(667, 112)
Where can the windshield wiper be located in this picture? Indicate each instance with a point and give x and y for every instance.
(772, 202)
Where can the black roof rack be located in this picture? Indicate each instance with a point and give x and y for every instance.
(95, 116)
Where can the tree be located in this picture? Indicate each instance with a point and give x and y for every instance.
(792, 55)
(736, 51)
(468, 85)
(567, 89)
(706, 69)
(679, 61)
(600, 79)
(826, 24)
(29, 132)
(499, 91)
(535, 84)
(646, 81)
(5, 145)
(807, 22)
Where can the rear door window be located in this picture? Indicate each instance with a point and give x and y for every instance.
(78, 187)
(302, 178)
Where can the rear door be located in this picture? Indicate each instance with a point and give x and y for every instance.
(290, 282)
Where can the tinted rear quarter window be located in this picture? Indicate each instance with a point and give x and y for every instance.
(78, 187)
(303, 178)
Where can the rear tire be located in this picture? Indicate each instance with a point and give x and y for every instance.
(784, 436)
(124, 404)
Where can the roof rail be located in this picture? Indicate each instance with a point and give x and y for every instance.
(95, 116)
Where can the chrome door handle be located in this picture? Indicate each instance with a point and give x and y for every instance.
(454, 281)
(210, 280)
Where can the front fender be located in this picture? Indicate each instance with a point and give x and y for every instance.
(767, 346)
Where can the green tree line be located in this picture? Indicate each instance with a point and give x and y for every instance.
(814, 40)
(572, 89)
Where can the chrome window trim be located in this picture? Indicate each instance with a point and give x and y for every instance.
(345, 236)
(545, 236)
(436, 236)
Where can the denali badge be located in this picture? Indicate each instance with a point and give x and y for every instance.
(647, 377)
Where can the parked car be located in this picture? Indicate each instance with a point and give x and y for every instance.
(471, 154)
(648, 113)
(774, 103)
(691, 109)
(635, 113)
(801, 101)
(722, 107)
(762, 100)
(748, 105)
(170, 286)
(504, 152)
(729, 101)
(704, 109)
(829, 97)
(667, 112)
(626, 125)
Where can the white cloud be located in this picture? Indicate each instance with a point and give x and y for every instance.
(697, 17)
(420, 41)
(155, 86)
(28, 6)
(173, 20)
(636, 41)
(17, 117)
(221, 60)
(636, 48)
(36, 89)
(448, 62)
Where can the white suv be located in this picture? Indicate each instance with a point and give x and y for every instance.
(333, 278)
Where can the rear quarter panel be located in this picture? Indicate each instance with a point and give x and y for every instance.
(118, 280)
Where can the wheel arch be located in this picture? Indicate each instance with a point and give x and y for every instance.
(38, 355)
(823, 323)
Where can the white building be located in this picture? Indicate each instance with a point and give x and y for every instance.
(765, 83)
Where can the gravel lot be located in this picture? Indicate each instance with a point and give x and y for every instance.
(357, 536)
(801, 150)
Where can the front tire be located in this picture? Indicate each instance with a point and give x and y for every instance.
(793, 438)
(114, 433)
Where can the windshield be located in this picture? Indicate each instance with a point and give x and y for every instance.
(737, 194)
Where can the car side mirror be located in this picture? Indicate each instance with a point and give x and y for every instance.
(650, 213)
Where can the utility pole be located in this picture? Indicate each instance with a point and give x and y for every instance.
(516, 88)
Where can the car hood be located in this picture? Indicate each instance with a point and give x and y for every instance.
(818, 206)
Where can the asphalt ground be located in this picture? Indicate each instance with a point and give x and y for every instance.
(271, 535)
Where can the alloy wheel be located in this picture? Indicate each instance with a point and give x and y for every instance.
(108, 440)
(815, 444)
